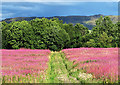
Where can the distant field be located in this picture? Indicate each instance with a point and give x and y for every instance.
(77, 65)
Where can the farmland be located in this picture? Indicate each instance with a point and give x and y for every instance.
(73, 65)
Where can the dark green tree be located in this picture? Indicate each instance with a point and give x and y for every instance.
(17, 34)
(50, 33)
(104, 28)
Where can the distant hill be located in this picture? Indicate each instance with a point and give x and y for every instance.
(88, 21)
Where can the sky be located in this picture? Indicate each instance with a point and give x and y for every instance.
(35, 8)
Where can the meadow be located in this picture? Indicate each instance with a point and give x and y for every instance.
(73, 65)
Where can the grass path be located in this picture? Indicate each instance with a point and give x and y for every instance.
(57, 71)
(60, 70)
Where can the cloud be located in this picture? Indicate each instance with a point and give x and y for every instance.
(47, 9)
(22, 9)
(17, 6)
(60, 1)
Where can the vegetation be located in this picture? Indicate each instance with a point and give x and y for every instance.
(61, 70)
(45, 66)
(54, 35)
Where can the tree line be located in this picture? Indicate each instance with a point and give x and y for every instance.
(55, 35)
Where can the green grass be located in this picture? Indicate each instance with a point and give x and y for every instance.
(57, 71)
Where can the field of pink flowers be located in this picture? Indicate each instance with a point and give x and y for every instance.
(31, 66)
(101, 62)
(17, 65)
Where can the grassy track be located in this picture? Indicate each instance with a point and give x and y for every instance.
(60, 70)
(57, 72)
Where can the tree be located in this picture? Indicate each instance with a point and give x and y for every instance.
(117, 35)
(50, 33)
(103, 31)
(103, 25)
(17, 34)
(54, 35)
(105, 40)
(71, 32)
(81, 33)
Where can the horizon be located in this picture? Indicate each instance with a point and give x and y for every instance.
(62, 16)
(51, 9)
